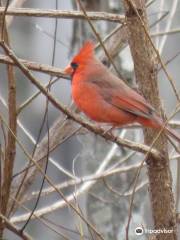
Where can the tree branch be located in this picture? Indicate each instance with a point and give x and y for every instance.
(53, 71)
(14, 229)
(30, 12)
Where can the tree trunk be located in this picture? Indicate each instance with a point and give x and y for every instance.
(146, 69)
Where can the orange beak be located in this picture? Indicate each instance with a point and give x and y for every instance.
(68, 70)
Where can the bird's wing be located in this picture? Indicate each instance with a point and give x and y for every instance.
(132, 105)
(121, 96)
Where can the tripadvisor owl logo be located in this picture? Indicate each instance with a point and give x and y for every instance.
(139, 231)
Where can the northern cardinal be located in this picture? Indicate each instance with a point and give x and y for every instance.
(103, 97)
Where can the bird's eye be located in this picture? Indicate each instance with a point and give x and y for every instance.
(74, 65)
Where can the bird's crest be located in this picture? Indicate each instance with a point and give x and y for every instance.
(85, 52)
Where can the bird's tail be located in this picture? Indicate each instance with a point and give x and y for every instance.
(173, 134)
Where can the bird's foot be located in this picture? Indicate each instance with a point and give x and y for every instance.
(109, 131)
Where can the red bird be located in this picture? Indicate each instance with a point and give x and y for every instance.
(103, 97)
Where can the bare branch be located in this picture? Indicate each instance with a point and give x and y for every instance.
(14, 229)
(30, 12)
(53, 71)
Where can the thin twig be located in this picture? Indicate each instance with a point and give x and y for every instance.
(34, 96)
(127, 193)
(159, 34)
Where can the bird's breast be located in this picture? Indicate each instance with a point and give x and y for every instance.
(88, 100)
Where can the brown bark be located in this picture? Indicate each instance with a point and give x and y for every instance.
(10, 150)
(30, 12)
(146, 68)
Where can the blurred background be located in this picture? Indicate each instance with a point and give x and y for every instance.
(105, 202)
